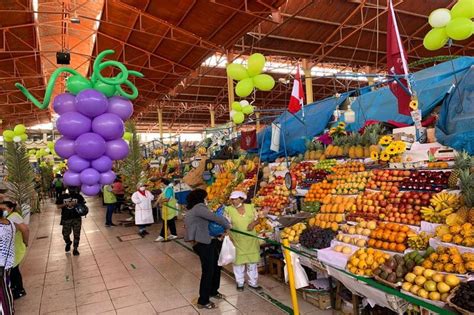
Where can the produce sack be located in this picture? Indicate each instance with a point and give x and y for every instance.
(216, 229)
(227, 255)
(301, 278)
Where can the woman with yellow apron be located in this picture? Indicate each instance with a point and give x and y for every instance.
(243, 217)
(169, 205)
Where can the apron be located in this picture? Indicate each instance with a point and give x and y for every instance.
(247, 249)
(170, 206)
(143, 209)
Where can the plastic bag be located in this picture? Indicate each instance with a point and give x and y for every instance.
(301, 278)
(227, 255)
(216, 229)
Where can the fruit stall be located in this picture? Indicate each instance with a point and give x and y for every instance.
(396, 231)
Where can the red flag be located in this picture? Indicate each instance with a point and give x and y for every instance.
(297, 94)
(248, 139)
(397, 63)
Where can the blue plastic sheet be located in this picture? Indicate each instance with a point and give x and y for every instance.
(455, 127)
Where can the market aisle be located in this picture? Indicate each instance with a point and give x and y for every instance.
(114, 277)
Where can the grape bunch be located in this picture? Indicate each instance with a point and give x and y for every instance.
(316, 237)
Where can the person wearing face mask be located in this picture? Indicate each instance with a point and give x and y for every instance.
(142, 199)
(72, 222)
(21, 243)
(169, 204)
(243, 217)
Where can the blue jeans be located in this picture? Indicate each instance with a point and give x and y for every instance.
(110, 210)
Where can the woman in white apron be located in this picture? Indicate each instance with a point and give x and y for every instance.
(143, 210)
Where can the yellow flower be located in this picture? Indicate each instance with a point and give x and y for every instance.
(392, 149)
(385, 140)
(332, 130)
(342, 124)
(374, 155)
(401, 146)
(384, 156)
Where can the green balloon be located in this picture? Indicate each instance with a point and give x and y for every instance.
(236, 106)
(255, 64)
(236, 71)
(50, 144)
(264, 82)
(238, 118)
(435, 39)
(464, 8)
(19, 130)
(247, 110)
(127, 136)
(244, 87)
(459, 28)
(8, 135)
(77, 83)
(107, 89)
(24, 137)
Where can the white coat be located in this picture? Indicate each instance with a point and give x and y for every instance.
(143, 209)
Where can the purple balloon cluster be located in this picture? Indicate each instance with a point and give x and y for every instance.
(92, 127)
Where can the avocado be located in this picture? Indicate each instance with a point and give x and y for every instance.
(377, 271)
(398, 259)
(392, 278)
(383, 275)
(410, 264)
(399, 272)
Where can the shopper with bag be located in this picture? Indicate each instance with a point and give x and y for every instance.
(142, 199)
(7, 261)
(197, 231)
(169, 213)
(243, 217)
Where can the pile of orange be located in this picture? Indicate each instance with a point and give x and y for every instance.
(349, 167)
(337, 204)
(390, 236)
(318, 191)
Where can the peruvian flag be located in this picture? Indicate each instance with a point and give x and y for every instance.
(397, 63)
(297, 94)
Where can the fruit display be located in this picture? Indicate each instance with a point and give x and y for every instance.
(314, 151)
(414, 258)
(457, 234)
(327, 221)
(311, 177)
(429, 284)
(364, 261)
(349, 167)
(393, 270)
(462, 162)
(390, 236)
(349, 184)
(419, 241)
(464, 296)
(449, 259)
(438, 165)
(249, 168)
(426, 181)
(263, 226)
(351, 239)
(274, 196)
(318, 191)
(311, 206)
(315, 237)
(347, 250)
(442, 205)
(293, 233)
(326, 165)
(246, 184)
(357, 229)
(384, 180)
(337, 204)
(222, 180)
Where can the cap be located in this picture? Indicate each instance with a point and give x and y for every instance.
(238, 194)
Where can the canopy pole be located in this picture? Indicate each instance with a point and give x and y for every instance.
(213, 116)
(230, 84)
(257, 116)
(308, 80)
(160, 122)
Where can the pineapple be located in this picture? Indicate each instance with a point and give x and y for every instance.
(463, 161)
(359, 151)
(318, 149)
(467, 192)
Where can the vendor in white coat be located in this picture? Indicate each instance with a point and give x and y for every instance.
(143, 210)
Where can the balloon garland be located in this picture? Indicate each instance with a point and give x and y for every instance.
(248, 79)
(91, 121)
(18, 134)
(455, 24)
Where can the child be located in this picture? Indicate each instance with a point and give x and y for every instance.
(71, 221)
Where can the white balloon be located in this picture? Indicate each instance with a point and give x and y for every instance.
(47, 150)
(232, 113)
(244, 103)
(439, 17)
(16, 139)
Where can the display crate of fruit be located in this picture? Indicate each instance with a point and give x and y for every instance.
(434, 181)
(460, 235)
(364, 261)
(311, 206)
(355, 240)
(462, 298)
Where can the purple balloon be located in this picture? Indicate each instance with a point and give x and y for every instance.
(117, 149)
(121, 107)
(73, 124)
(90, 146)
(90, 190)
(77, 164)
(64, 103)
(91, 103)
(90, 176)
(107, 178)
(102, 164)
(64, 147)
(109, 126)
(72, 179)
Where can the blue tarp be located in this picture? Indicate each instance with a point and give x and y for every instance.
(431, 85)
(455, 127)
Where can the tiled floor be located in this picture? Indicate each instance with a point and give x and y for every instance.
(133, 277)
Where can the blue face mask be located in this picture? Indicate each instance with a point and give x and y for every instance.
(5, 213)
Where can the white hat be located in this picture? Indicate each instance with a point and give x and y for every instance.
(238, 194)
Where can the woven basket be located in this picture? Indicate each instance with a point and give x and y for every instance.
(387, 283)
(457, 308)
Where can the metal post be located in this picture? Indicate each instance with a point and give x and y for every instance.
(230, 84)
(291, 277)
(213, 117)
(257, 116)
(160, 122)
(308, 82)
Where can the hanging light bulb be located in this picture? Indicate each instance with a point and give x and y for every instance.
(349, 115)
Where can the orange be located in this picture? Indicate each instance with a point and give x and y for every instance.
(392, 247)
(378, 244)
(404, 228)
(371, 242)
(401, 248)
(385, 245)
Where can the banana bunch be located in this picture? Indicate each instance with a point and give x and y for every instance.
(419, 241)
(248, 167)
(442, 205)
(201, 150)
(229, 165)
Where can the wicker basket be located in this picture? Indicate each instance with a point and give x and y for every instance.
(457, 308)
(387, 283)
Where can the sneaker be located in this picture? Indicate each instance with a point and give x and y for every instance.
(172, 237)
(108, 225)
(240, 288)
(142, 234)
(68, 247)
(159, 239)
(113, 224)
(19, 294)
(146, 232)
(75, 252)
(257, 287)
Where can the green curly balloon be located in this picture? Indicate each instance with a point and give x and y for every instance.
(78, 83)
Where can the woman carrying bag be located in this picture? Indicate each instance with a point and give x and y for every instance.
(142, 199)
(7, 261)
(169, 213)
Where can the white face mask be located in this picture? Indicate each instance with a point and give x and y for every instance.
(142, 188)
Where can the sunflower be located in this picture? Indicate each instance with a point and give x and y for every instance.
(374, 155)
(401, 146)
(332, 130)
(385, 140)
(392, 149)
(342, 124)
(384, 156)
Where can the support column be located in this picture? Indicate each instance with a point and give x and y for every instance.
(257, 115)
(230, 84)
(370, 79)
(308, 80)
(160, 122)
(213, 116)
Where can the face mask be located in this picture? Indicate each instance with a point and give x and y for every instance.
(142, 188)
(5, 213)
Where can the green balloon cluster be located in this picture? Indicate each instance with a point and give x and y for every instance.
(18, 134)
(127, 136)
(455, 24)
(250, 77)
(77, 83)
(239, 110)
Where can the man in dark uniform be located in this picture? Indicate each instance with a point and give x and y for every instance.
(71, 221)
